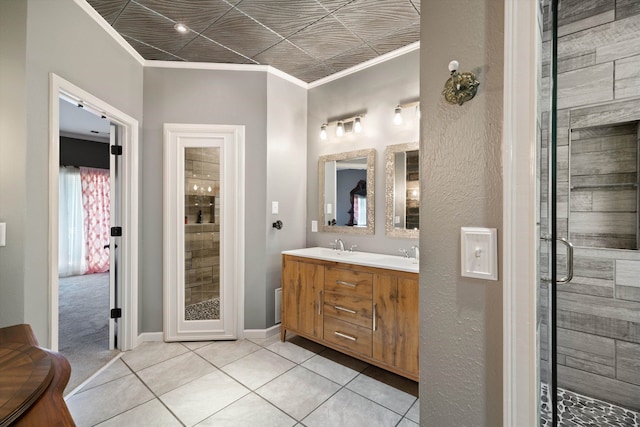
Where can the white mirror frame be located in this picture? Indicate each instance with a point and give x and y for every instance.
(390, 168)
(370, 154)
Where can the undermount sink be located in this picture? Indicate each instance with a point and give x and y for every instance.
(369, 259)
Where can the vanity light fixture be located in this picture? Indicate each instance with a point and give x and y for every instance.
(323, 132)
(397, 117)
(181, 28)
(343, 126)
(460, 87)
(357, 125)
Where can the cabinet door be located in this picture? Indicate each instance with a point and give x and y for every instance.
(301, 287)
(396, 329)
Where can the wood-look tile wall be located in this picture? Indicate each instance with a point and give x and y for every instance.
(598, 312)
(202, 224)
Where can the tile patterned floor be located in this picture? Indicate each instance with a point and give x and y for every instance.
(244, 383)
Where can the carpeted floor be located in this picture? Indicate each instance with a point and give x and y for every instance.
(84, 325)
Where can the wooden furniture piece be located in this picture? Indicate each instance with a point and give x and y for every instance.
(32, 381)
(366, 312)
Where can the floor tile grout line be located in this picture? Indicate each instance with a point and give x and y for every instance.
(155, 397)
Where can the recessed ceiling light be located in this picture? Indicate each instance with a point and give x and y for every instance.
(181, 28)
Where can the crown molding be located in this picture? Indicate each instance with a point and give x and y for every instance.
(370, 63)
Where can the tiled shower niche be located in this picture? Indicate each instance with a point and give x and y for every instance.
(603, 165)
(202, 233)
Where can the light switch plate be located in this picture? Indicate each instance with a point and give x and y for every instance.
(479, 252)
(314, 226)
(3, 234)
(274, 207)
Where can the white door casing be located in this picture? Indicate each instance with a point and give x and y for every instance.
(230, 139)
(128, 248)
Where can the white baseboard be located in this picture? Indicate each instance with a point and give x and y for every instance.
(262, 333)
(248, 333)
(150, 337)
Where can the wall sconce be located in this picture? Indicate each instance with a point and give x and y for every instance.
(346, 125)
(397, 116)
(460, 87)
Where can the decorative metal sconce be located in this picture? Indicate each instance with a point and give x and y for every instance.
(461, 87)
(348, 124)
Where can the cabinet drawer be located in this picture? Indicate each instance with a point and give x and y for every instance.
(352, 308)
(348, 335)
(348, 282)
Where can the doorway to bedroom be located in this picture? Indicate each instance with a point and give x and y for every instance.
(87, 259)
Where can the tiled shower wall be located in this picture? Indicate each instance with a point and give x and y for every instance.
(598, 312)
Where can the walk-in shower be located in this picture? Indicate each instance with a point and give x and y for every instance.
(589, 138)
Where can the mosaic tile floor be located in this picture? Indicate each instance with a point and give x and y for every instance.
(577, 410)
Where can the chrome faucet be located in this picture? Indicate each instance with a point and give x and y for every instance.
(416, 252)
(339, 245)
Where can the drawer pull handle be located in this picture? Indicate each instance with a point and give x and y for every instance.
(319, 303)
(337, 307)
(351, 285)
(349, 337)
(375, 314)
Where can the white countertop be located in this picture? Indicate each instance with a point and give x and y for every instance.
(368, 259)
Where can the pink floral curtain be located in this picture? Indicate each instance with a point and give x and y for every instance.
(95, 201)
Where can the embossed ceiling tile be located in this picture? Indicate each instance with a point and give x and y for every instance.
(141, 24)
(370, 19)
(325, 39)
(416, 4)
(286, 57)
(255, 38)
(285, 17)
(398, 39)
(149, 52)
(350, 58)
(108, 9)
(196, 15)
(203, 50)
(314, 72)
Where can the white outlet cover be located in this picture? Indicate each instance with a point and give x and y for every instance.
(314, 226)
(3, 234)
(479, 252)
(274, 207)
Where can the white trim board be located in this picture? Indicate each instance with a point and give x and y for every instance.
(248, 334)
(128, 329)
(520, 363)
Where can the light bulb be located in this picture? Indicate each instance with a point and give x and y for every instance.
(195, 187)
(397, 119)
(181, 28)
(209, 189)
(323, 132)
(340, 129)
(357, 125)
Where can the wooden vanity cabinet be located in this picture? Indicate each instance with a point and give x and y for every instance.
(302, 284)
(368, 313)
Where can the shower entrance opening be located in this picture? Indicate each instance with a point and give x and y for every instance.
(588, 322)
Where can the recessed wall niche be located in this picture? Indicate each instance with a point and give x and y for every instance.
(604, 166)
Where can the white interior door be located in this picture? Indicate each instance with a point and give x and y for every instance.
(203, 229)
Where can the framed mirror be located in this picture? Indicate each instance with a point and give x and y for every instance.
(402, 190)
(346, 187)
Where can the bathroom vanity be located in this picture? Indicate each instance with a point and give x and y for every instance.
(362, 304)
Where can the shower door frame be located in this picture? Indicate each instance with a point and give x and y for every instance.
(520, 299)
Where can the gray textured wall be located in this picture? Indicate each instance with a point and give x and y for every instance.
(461, 185)
(286, 180)
(60, 38)
(376, 91)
